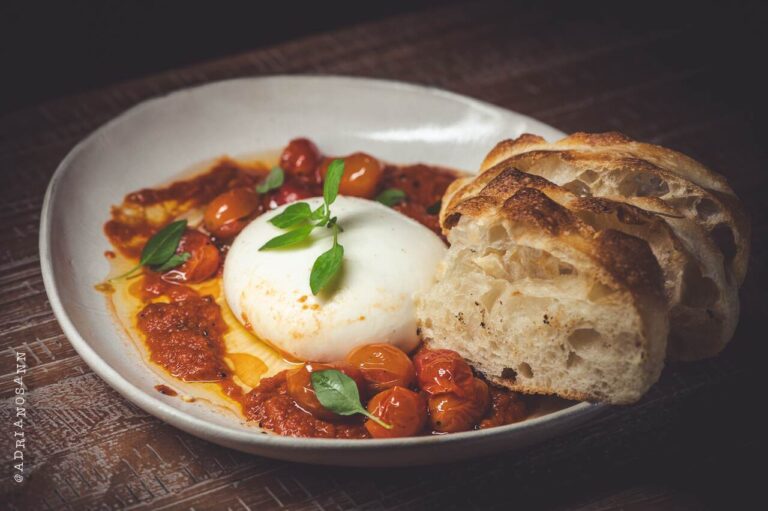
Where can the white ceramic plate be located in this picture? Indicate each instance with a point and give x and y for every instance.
(154, 141)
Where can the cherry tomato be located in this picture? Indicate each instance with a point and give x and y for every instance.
(227, 214)
(404, 409)
(300, 386)
(203, 262)
(442, 371)
(361, 175)
(450, 413)
(300, 156)
(287, 193)
(383, 366)
(506, 407)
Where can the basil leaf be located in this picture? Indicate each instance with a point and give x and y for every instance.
(332, 181)
(163, 244)
(289, 238)
(326, 266)
(338, 393)
(391, 196)
(173, 262)
(274, 180)
(434, 209)
(292, 215)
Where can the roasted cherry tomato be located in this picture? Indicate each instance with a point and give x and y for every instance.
(442, 371)
(227, 214)
(300, 156)
(449, 413)
(506, 408)
(404, 409)
(286, 194)
(383, 366)
(361, 175)
(203, 262)
(300, 386)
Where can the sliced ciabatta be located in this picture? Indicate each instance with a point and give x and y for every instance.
(540, 296)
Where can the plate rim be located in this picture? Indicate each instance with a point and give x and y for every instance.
(231, 436)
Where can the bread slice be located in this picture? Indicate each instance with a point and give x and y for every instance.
(541, 296)
(613, 165)
(696, 203)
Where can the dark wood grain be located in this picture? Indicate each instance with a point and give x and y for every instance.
(687, 445)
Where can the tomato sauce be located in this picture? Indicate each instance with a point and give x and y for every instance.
(146, 211)
(424, 185)
(183, 329)
(184, 337)
(270, 406)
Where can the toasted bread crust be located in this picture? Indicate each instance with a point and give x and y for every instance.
(693, 190)
(539, 204)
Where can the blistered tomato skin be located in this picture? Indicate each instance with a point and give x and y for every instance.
(362, 173)
(300, 156)
(286, 194)
(403, 409)
(227, 214)
(203, 262)
(449, 413)
(383, 366)
(443, 371)
(300, 388)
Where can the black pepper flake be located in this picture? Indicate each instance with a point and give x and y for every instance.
(546, 319)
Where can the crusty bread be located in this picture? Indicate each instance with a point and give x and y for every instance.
(543, 294)
(614, 165)
(699, 206)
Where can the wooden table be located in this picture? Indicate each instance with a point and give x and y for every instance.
(665, 77)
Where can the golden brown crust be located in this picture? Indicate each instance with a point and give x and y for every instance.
(629, 260)
(622, 168)
(532, 207)
(532, 201)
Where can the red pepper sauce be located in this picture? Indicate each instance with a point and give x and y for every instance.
(270, 406)
(424, 186)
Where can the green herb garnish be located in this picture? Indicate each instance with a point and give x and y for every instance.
(174, 261)
(292, 215)
(159, 253)
(338, 393)
(434, 209)
(391, 196)
(326, 266)
(300, 218)
(274, 180)
(289, 238)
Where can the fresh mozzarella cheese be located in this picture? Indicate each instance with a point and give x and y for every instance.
(388, 258)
